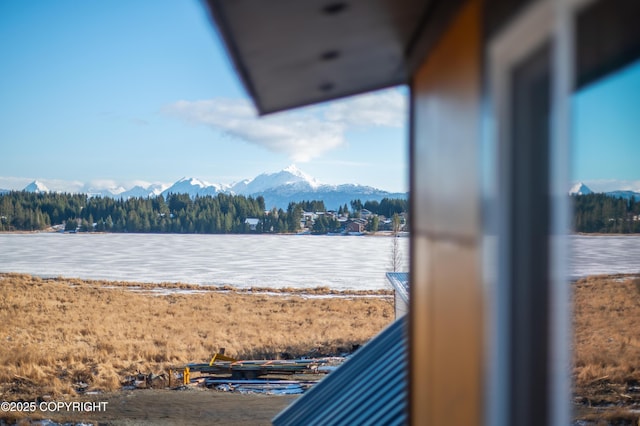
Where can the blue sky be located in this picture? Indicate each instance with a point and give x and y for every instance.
(123, 92)
(132, 92)
(606, 132)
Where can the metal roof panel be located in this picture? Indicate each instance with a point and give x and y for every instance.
(400, 282)
(370, 388)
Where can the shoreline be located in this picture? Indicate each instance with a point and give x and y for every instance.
(364, 234)
(402, 234)
(184, 288)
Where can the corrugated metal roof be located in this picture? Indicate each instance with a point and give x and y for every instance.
(371, 388)
(400, 282)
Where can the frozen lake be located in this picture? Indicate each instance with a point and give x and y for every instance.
(254, 260)
(604, 255)
(298, 261)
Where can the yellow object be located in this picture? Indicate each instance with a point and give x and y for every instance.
(185, 377)
(220, 357)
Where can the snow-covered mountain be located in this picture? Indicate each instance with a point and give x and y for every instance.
(152, 190)
(278, 189)
(291, 178)
(627, 195)
(113, 192)
(36, 186)
(193, 187)
(580, 189)
(142, 192)
(291, 184)
(333, 196)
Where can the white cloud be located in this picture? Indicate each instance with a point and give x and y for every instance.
(301, 134)
(102, 184)
(14, 183)
(382, 109)
(56, 185)
(606, 185)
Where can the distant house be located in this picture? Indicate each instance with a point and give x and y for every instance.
(385, 224)
(354, 226)
(365, 214)
(404, 219)
(308, 215)
(307, 220)
(252, 222)
(400, 283)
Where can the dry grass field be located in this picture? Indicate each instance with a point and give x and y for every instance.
(607, 349)
(56, 333)
(607, 330)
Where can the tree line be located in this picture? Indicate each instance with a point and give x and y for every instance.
(386, 207)
(603, 213)
(224, 213)
(177, 213)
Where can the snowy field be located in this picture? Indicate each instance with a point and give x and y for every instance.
(299, 261)
(604, 255)
(354, 263)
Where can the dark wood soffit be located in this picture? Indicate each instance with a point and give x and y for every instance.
(607, 38)
(498, 13)
(291, 53)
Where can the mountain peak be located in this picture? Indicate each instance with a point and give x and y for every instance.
(193, 187)
(580, 189)
(193, 181)
(291, 178)
(293, 169)
(36, 186)
(277, 188)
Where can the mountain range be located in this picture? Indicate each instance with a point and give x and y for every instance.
(278, 189)
(582, 189)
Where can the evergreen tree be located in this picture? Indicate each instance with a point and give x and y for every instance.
(71, 225)
(294, 214)
(372, 224)
(396, 223)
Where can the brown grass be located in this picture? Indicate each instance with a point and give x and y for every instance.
(607, 348)
(613, 416)
(56, 333)
(606, 329)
